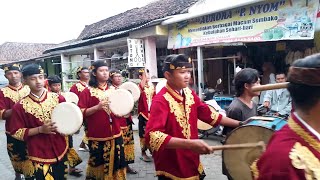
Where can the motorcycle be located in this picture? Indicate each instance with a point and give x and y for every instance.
(204, 129)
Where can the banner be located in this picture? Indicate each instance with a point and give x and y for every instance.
(271, 20)
(136, 53)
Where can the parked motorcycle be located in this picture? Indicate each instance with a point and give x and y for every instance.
(205, 129)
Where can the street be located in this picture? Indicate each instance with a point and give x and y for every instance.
(212, 163)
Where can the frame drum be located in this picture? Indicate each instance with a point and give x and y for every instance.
(238, 161)
(132, 88)
(68, 118)
(70, 97)
(121, 102)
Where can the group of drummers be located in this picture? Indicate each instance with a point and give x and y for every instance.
(167, 123)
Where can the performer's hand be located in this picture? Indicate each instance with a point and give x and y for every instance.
(201, 147)
(266, 104)
(48, 128)
(103, 104)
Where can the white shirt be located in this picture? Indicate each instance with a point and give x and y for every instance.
(313, 131)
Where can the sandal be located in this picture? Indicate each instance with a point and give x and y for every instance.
(131, 171)
(75, 172)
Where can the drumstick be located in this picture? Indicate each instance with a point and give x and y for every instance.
(270, 87)
(240, 146)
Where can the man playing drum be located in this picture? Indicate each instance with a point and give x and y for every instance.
(126, 124)
(10, 95)
(106, 149)
(172, 132)
(296, 146)
(242, 107)
(83, 75)
(73, 157)
(278, 100)
(147, 92)
(31, 122)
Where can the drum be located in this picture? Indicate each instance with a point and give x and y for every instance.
(121, 102)
(132, 88)
(68, 118)
(160, 85)
(238, 161)
(70, 97)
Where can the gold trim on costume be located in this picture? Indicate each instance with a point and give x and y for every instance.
(254, 169)
(111, 160)
(200, 168)
(41, 110)
(156, 140)
(15, 93)
(214, 115)
(163, 173)
(149, 91)
(50, 160)
(302, 158)
(80, 87)
(304, 134)
(174, 93)
(182, 112)
(99, 93)
(146, 118)
(105, 139)
(19, 134)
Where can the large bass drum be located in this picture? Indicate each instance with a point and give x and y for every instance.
(259, 128)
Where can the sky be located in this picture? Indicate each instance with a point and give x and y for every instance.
(55, 21)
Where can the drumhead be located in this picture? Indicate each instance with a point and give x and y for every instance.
(68, 118)
(121, 102)
(204, 126)
(238, 161)
(132, 88)
(70, 97)
(160, 85)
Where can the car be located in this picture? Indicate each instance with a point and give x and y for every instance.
(3, 80)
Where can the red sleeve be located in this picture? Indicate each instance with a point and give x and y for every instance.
(155, 136)
(207, 114)
(74, 89)
(16, 124)
(3, 106)
(84, 100)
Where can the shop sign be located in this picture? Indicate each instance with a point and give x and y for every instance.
(136, 56)
(271, 20)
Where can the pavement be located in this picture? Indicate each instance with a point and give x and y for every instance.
(211, 163)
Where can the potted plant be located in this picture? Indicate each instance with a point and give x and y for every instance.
(70, 73)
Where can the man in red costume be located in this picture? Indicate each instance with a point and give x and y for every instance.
(296, 147)
(147, 91)
(31, 122)
(172, 132)
(10, 95)
(83, 75)
(106, 148)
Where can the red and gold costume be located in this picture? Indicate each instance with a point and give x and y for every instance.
(127, 135)
(77, 88)
(44, 150)
(146, 94)
(296, 150)
(107, 160)
(175, 115)
(17, 150)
